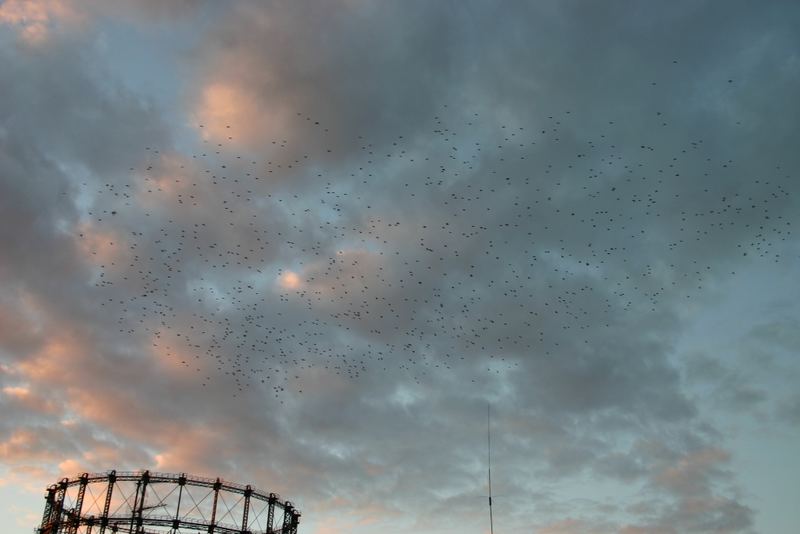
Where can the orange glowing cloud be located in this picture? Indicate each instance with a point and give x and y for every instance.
(170, 178)
(231, 113)
(35, 19)
(48, 364)
(20, 322)
(94, 459)
(174, 358)
(289, 280)
(23, 396)
(109, 412)
(70, 467)
(688, 474)
(346, 515)
(17, 392)
(98, 246)
(28, 446)
(571, 526)
(190, 450)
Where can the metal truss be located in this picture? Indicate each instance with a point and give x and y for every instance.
(146, 502)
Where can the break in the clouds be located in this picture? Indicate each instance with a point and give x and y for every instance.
(303, 245)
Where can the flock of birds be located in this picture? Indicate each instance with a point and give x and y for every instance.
(470, 244)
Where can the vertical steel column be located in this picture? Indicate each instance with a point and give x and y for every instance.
(49, 506)
(58, 509)
(144, 481)
(287, 517)
(176, 520)
(217, 486)
(271, 512)
(76, 511)
(112, 478)
(248, 491)
(135, 506)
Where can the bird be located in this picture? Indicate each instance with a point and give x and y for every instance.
(493, 243)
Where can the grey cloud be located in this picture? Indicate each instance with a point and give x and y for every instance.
(574, 396)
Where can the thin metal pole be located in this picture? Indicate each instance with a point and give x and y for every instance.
(489, 441)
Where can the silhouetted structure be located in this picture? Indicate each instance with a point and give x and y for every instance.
(145, 502)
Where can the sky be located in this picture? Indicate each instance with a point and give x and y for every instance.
(304, 245)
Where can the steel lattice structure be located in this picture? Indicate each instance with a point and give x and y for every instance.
(146, 502)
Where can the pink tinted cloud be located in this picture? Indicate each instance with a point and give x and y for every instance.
(571, 526)
(227, 111)
(35, 20)
(690, 474)
(22, 397)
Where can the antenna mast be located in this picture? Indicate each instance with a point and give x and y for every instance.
(489, 442)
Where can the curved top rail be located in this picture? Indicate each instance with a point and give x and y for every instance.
(157, 477)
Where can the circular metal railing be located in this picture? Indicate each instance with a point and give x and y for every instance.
(147, 502)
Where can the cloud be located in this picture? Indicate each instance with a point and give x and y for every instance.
(35, 19)
(360, 235)
(570, 526)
